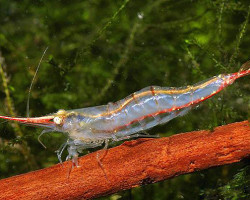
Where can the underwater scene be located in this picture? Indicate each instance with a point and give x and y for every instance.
(161, 63)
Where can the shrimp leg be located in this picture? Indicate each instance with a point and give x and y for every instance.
(105, 148)
(137, 135)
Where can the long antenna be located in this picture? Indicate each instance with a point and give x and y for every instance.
(32, 82)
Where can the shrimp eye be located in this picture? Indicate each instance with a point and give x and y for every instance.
(58, 120)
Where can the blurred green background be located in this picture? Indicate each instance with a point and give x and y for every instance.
(101, 51)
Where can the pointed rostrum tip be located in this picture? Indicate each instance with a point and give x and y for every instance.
(38, 121)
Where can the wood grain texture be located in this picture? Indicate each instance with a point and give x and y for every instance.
(134, 163)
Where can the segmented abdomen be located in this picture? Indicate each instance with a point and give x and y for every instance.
(150, 106)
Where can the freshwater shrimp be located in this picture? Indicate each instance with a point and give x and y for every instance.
(130, 117)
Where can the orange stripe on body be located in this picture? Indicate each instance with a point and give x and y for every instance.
(163, 111)
(153, 94)
(173, 91)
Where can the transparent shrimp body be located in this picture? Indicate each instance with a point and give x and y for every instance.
(129, 117)
(142, 110)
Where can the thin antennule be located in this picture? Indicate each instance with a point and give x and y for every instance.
(39, 137)
(32, 82)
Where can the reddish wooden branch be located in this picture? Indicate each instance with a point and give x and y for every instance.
(133, 163)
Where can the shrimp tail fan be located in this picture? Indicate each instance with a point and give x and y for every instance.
(245, 67)
(244, 70)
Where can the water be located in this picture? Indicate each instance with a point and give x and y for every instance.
(102, 51)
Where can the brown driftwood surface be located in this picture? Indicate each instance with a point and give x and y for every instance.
(133, 163)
